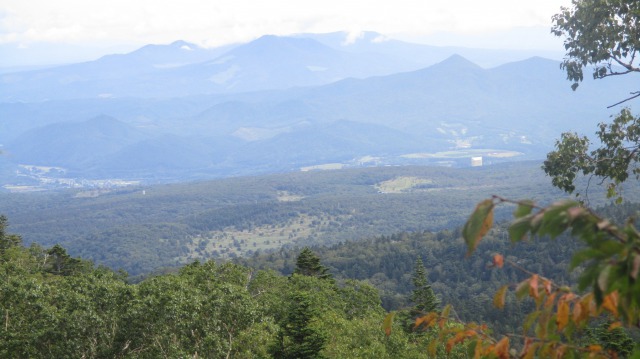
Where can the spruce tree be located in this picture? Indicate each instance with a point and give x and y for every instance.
(7, 240)
(308, 263)
(423, 298)
(297, 338)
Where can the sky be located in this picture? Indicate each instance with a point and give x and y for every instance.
(53, 29)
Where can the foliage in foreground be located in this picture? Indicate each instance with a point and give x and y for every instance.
(56, 306)
(602, 34)
(558, 327)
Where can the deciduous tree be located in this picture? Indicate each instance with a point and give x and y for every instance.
(605, 36)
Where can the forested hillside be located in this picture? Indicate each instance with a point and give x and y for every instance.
(141, 229)
(468, 284)
(56, 306)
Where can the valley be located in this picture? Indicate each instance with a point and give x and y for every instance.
(141, 228)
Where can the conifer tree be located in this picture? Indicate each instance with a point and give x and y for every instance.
(7, 240)
(423, 298)
(308, 263)
(297, 338)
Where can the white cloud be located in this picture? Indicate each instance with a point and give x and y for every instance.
(216, 22)
(379, 39)
(352, 37)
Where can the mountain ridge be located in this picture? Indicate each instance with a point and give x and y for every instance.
(170, 70)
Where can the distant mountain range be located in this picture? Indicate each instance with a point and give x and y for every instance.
(270, 62)
(176, 112)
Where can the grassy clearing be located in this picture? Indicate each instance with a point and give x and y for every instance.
(285, 196)
(402, 184)
(232, 242)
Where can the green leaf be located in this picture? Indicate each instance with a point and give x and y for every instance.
(530, 320)
(388, 323)
(522, 289)
(445, 311)
(635, 266)
(519, 228)
(524, 209)
(478, 224)
(582, 256)
(471, 348)
(603, 278)
(556, 218)
(499, 297)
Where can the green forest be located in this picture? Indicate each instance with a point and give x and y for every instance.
(325, 302)
(57, 306)
(142, 229)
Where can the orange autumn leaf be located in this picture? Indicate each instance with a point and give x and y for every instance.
(589, 305)
(568, 297)
(610, 303)
(529, 350)
(614, 326)
(547, 285)
(562, 318)
(533, 286)
(502, 348)
(498, 260)
(427, 320)
(388, 323)
(550, 300)
(594, 348)
(580, 313)
(459, 337)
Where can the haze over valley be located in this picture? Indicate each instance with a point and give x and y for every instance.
(180, 112)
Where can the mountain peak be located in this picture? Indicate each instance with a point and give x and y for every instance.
(274, 39)
(457, 61)
(272, 44)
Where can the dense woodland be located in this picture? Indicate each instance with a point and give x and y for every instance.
(158, 312)
(173, 225)
(56, 306)
(325, 303)
(387, 262)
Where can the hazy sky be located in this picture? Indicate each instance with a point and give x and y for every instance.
(29, 23)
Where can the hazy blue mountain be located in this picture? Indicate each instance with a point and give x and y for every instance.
(111, 75)
(166, 156)
(267, 63)
(339, 141)
(454, 105)
(412, 56)
(270, 62)
(530, 96)
(74, 145)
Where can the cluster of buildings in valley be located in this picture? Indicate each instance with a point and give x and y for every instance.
(40, 178)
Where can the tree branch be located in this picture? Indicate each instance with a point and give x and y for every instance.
(628, 66)
(635, 95)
